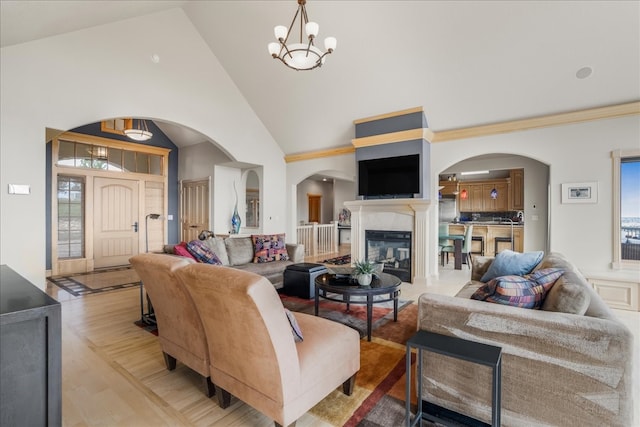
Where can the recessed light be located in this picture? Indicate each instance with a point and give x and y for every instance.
(155, 58)
(324, 179)
(584, 72)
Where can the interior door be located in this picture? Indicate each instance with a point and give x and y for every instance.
(115, 222)
(195, 208)
(314, 207)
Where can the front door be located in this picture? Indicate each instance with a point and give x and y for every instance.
(115, 221)
(195, 208)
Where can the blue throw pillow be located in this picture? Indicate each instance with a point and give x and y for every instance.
(509, 263)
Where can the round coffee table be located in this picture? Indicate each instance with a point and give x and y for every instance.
(343, 286)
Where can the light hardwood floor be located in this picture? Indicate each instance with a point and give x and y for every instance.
(113, 373)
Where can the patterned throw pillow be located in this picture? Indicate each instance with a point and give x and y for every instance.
(295, 328)
(269, 247)
(181, 249)
(202, 252)
(519, 291)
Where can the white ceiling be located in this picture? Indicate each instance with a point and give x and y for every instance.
(466, 62)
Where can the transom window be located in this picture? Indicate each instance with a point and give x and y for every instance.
(80, 155)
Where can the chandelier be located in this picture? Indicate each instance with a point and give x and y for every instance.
(300, 56)
(139, 133)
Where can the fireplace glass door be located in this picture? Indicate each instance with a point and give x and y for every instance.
(393, 248)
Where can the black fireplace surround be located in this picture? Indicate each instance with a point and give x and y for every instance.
(393, 248)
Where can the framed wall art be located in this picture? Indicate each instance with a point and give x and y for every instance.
(580, 192)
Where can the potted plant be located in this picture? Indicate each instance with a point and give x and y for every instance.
(363, 271)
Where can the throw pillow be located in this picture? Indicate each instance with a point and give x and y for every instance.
(508, 263)
(567, 297)
(269, 247)
(519, 291)
(295, 328)
(202, 252)
(181, 249)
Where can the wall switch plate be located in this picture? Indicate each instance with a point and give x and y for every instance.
(534, 217)
(19, 189)
(170, 217)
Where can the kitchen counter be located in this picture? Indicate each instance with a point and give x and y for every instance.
(485, 233)
(507, 223)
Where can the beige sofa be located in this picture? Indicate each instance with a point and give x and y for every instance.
(180, 330)
(252, 352)
(238, 252)
(558, 368)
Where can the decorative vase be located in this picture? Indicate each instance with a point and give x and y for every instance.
(364, 279)
(235, 221)
(235, 218)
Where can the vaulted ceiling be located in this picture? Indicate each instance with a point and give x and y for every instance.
(466, 63)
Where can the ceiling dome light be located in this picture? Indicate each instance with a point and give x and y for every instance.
(302, 55)
(139, 133)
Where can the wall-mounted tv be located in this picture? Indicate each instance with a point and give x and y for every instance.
(390, 177)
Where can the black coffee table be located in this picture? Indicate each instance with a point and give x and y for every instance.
(338, 283)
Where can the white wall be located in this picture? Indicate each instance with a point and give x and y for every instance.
(343, 191)
(225, 178)
(574, 153)
(103, 72)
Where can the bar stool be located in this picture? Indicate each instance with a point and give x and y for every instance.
(499, 240)
(481, 240)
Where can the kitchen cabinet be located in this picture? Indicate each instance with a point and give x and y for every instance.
(517, 189)
(478, 196)
(501, 202)
(450, 188)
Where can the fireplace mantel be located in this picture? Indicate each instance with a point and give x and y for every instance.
(390, 214)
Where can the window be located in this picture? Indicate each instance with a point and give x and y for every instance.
(70, 217)
(79, 155)
(626, 166)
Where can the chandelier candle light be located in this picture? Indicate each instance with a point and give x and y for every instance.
(300, 56)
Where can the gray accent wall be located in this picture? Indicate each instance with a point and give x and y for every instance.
(415, 120)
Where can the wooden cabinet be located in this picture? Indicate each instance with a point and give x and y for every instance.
(31, 354)
(517, 189)
(450, 188)
(478, 196)
(501, 202)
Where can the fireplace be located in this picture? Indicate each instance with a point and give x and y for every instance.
(393, 248)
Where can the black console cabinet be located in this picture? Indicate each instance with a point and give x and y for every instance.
(30, 354)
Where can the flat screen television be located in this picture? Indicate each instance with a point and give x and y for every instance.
(390, 177)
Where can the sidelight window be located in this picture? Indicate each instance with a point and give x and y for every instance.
(71, 195)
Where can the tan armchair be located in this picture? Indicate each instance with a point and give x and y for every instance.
(180, 330)
(252, 351)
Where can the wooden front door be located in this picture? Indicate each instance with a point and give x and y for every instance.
(195, 208)
(314, 207)
(115, 222)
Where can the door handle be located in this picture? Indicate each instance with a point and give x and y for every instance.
(135, 227)
(193, 226)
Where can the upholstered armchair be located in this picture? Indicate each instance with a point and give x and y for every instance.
(180, 330)
(252, 352)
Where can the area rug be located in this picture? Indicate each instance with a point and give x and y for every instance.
(355, 317)
(378, 399)
(98, 281)
(341, 260)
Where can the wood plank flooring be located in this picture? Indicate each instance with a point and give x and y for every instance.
(113, 373)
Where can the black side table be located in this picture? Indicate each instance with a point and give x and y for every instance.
(459, 348)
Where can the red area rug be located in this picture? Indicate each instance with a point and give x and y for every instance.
(355, 317)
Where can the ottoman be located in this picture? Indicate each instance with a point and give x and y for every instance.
(299, 279)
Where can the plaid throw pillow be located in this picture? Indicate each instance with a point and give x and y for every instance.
(295, 328)
(526, 291)
(269, 247)
(202, 253)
